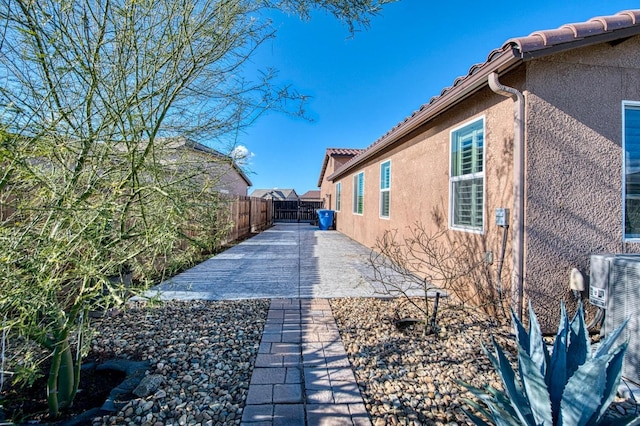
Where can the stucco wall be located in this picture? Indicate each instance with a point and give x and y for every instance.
(420, 182)
(327, 189)
(231, 181)
(216, 173)
(574, 163)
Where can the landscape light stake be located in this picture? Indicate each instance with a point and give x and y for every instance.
(432, 324)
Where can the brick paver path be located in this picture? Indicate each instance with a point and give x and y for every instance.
(302, 374)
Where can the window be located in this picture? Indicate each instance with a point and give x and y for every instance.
(358, 193)
(385, 185)
(631, 178)
(338, 192)
(466, 190)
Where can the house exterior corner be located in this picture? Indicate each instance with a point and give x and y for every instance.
(450, 165)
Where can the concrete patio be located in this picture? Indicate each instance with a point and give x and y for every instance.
(302, 375)
(287, 260)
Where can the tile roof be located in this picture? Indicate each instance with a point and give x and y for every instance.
(275, 193)
(336, 152)
(343, 151)
(183, 142)
(513, 52)
(313, 194)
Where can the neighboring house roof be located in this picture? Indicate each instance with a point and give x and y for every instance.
(512, 53)
(311, 195)
(336, 152)
(187, 143)
(275, 194)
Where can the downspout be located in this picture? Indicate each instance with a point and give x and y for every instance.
(518, 188)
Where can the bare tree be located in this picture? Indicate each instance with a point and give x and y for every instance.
(91, 91)
(420, 264)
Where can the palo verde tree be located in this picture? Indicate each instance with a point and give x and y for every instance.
(91, 93)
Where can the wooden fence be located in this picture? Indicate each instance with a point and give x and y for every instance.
(249, 215)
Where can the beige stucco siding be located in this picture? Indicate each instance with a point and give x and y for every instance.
(327, 189)
(230, 181)
(420, 181)
(574, 164)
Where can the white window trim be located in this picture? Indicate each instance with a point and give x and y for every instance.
(388, 190)
(338, 196)
(623, 191)
(452, 179)
(355, 194)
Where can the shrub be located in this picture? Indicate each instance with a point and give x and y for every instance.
(571, 386)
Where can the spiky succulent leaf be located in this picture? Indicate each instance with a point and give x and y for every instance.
(485, 398)
(502, 417)
(475, 419)
(522, 336)
(535, 389)
(499, 409)
(479, 408)
(614, 372)
(512, 388)
(531, 342)
(583, 394)
(554, 396)
(607, 343)
(502, 400)
(579, 348)
(489, 395)
(556, 377)
(537, 347)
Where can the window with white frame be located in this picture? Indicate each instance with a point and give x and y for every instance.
(358, 193)
(631, 147)
(338, 195)
(466, 189)
(385, 186)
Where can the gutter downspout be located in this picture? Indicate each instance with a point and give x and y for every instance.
(518, 188)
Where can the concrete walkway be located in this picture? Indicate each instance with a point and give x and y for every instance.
(287, 260)
(302, 375)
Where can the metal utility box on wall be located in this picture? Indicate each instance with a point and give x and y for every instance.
(615, 287)
(502, 217)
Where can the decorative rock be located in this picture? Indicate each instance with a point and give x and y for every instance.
(148, 385)
(183, 341)
(401, 371)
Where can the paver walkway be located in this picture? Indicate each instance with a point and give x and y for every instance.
(302, 375)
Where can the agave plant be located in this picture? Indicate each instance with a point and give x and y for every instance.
(570, 386)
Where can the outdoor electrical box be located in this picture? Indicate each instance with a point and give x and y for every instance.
(502, 217)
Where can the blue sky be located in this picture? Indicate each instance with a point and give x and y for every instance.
(364, 85)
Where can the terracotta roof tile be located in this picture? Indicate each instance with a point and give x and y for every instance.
(343, 151)
(511, 52)
(331, 152)
(313, 194)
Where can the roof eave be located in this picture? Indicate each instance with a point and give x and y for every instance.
(504, 62)
(607, 37)
(242, 174)
(323, 170)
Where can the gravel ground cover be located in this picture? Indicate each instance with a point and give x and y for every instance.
(203, 353)
(409, 379)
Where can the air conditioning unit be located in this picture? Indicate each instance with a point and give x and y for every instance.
(615, 287)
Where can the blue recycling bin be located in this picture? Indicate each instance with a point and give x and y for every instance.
(325, 219)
